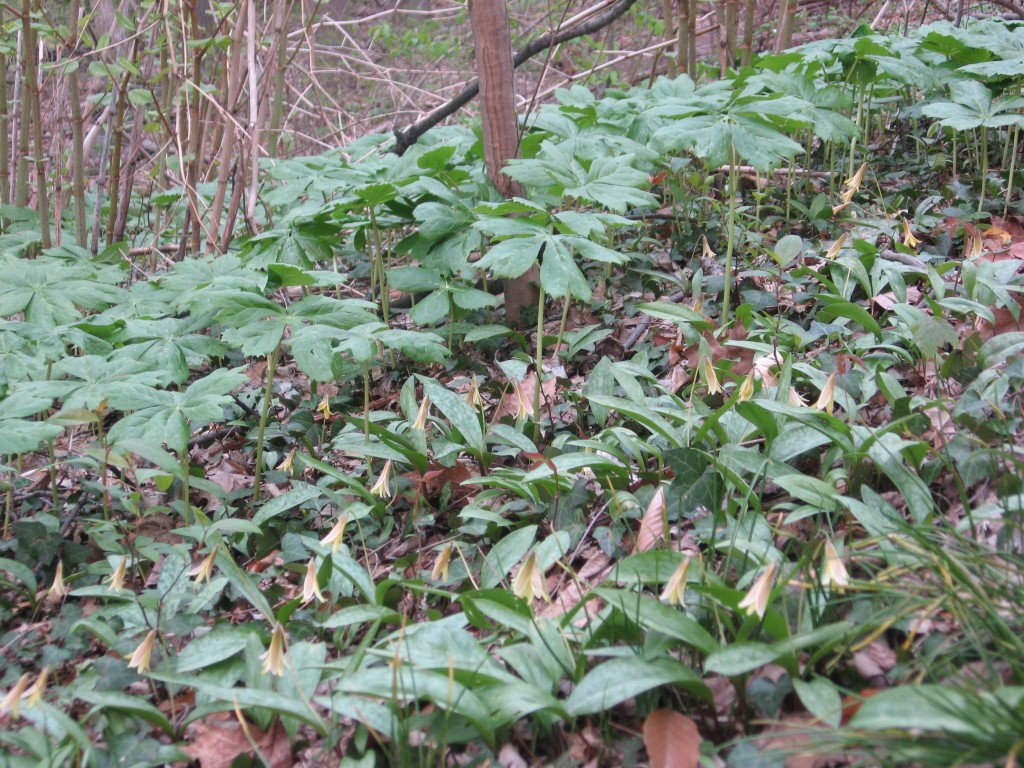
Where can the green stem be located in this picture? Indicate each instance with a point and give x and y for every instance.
(9, 506)
(1013, 169)
(264, 416)
(366, 401)
(186, 485)
(539, 358)
(562, 323)
(984, 166)
(378, 260)
(733, 183)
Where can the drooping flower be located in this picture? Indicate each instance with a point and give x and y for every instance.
(287, 461)
(795, 399)
(756, 599)
(35, 694)
(204, 571)
(11, 702)
(473, 397)
(833, 572)
(335, 536)
(706, 248)
(973, 245)
(827, 398)
(440, 570)
(382, 487)
(698, 303)
(117, 577)
(273, 657)
(310, 586)
(909, 239)
(529, 582)
(142, 655)
(836, 247)
(675, 589)
(58, 588)
(707, 372)
(421, 414)
(525, 401)
(324, 408)
(747, 387)
(850, 187)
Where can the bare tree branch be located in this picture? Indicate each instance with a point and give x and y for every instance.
(406, 137)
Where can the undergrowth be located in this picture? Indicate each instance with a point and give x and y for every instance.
(755, 462)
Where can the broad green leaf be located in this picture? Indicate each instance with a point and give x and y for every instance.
(616, 680)
(742, 657)
(458, 412)
(504, 556)
(300, 493)
(123, 702)
(654, 615)
(935, 708)
(221, 642)
(411, 684)
(821, 698)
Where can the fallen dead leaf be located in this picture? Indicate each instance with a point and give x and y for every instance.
(652, 527)
(671, 739)
(219, 739)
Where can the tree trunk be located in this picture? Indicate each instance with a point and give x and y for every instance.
(492, 41)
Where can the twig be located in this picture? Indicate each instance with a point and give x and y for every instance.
(645, 321)
(406, 137)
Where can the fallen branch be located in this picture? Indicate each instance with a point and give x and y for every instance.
(406, 137)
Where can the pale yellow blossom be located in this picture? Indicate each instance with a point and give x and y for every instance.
(58, 589)
(382, 487)
(706, 248)
(335, 536)
(850, 187)
(142, 655)
(529, 582)
(324, 407)
(795, 399)
(117, 577)
(35, 694)
(973, 245)
(421, 414)
(273, 657)
(286, 462)
(747, 387)
(204, 570)
(837, 246)
(525, 401)
(833, 572)
(440, 569)
(11, 702)
(675, 589)
(473, 397)
(707, 372)
(827, 398)
(756, 599)
(310, 586)
(908, 236)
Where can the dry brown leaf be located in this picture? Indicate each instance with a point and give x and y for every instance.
(792, 737)
(652, 527)
(671, 739)
(509, 757)
(217, 741)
